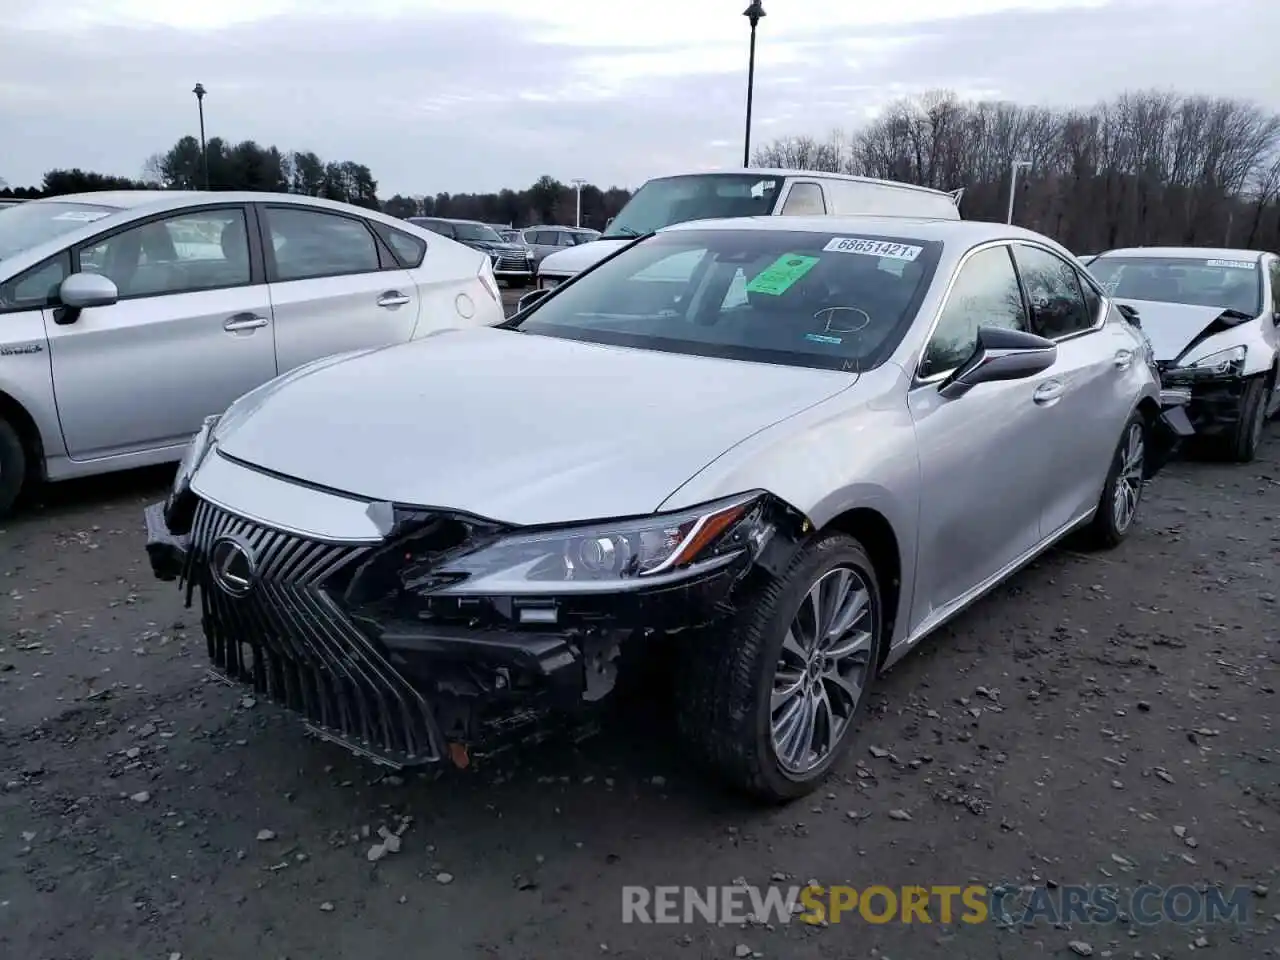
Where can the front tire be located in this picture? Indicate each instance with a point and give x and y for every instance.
(1122, 491)
(1243, 441)
(771, 701)
(13, 467)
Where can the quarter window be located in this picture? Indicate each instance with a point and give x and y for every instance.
(1275, 286)
(202, 250)
(1058, 307)
(36, 287)
(310, 243)
(985, 294)
(409, 250)
(804, 200)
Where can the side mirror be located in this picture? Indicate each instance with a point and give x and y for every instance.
(1000, 354)
(1130, 314)
(81, 290)
(530, 299)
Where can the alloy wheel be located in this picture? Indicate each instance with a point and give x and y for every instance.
(1129, 481)
(822, 670)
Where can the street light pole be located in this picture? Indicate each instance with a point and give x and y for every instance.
(199, 91)
(1013, 181)
(753, 13)
(578, 182)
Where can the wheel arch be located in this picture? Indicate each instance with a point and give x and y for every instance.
(25, 425)
(873, 530)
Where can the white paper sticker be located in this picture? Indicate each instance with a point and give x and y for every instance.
(872, 248)
(1233, 264)
(83, 216)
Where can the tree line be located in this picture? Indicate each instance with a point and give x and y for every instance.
(232, 166)
(1147, 168)
(547, 201)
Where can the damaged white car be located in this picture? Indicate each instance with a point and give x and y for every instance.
(777, 452)
(1211, 316)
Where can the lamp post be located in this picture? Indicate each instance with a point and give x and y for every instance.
(1013, 181)
(578, 182)
(199, 91)
(753, 13)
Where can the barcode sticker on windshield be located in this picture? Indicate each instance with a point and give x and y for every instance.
(872, 248)
(1233, 264)
(82, 216)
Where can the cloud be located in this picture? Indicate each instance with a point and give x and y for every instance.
(434, 99)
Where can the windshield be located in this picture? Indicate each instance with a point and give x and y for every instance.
(476, 231)
(28, 224)
(774, 296)
(1226, 283)
(704, 196)
(512, 236)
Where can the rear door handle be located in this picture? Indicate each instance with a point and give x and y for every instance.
(1048, 393)
(1124, 359)
(244, 321)
(392, 298)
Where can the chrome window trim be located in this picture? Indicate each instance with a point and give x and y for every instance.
(1082, 277)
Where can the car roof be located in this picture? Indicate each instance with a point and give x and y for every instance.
(807, 174)
(1185, 253)
(969, 232)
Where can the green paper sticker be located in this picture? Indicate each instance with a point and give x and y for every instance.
(781, 275)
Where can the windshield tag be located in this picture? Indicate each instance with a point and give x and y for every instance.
(822, 338)
(1233, 264)
(82, 216)
(872, 248)
(781, 275)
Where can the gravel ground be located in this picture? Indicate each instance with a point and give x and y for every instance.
(1098, 719)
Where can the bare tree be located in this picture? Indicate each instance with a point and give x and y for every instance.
(1148, 167)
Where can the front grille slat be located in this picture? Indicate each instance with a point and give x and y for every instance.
(290, 640)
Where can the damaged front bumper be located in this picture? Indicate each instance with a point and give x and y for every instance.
(1214, 402)
(405, 683)
(1169, 431)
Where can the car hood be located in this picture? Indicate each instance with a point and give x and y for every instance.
(513, 427)
(576, 259)
(1171, 327)
(490, 247)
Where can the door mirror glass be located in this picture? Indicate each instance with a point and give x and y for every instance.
(1000, 354)
(81, 290)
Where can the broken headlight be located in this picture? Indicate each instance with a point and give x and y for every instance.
(1222, 363)
(179, 506)
(612, 555)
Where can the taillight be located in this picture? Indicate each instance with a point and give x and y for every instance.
(489, 280)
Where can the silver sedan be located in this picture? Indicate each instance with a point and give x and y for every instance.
(774, 452)
(128, 317)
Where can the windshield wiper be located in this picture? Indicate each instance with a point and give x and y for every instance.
(624, 231)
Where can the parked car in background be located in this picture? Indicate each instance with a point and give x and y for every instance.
(511, 261)
(545, 241)
(512, 235)
(128, 317)
(746, 193)
(1087, 258)
(779, 493)
(1211, 316)
(10, 203)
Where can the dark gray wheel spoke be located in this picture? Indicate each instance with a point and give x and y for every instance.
(1128, 488)
(822, 669)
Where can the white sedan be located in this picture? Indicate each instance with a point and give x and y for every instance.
(128, 317)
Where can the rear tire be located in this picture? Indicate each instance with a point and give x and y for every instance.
(13, 467)
(1242, 443)
(1122, 491)
(770, 704)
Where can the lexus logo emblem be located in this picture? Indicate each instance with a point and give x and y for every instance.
(231, 562)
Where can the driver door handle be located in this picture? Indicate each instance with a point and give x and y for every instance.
(244, 321)
(392, 298)
(1048, 393)
(1124, 359)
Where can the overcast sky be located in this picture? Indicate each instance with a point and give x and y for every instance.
(613, 91)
